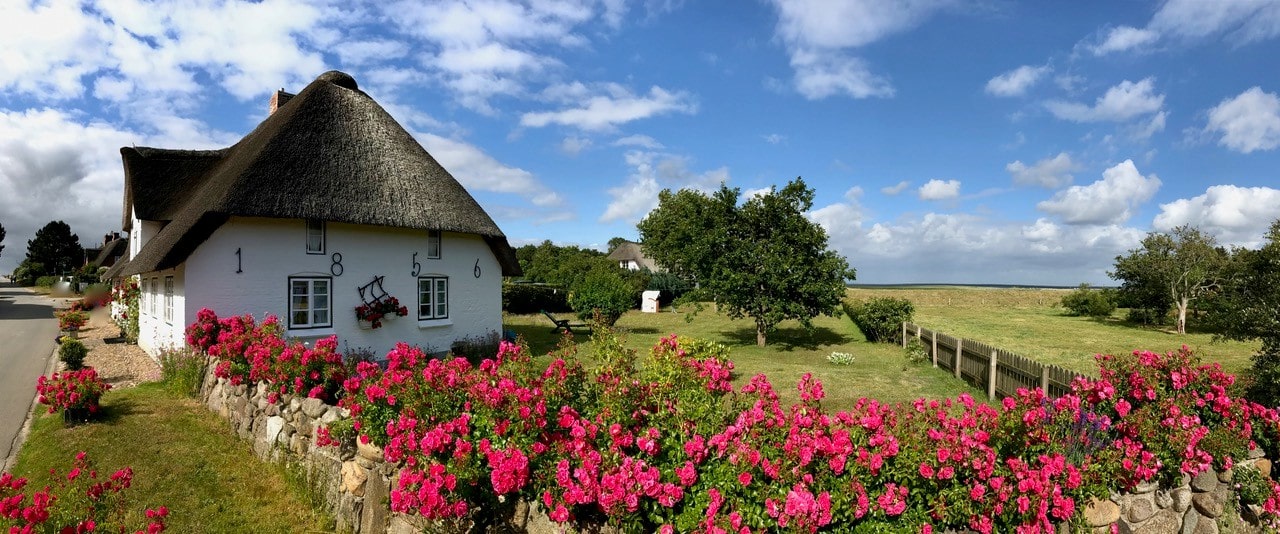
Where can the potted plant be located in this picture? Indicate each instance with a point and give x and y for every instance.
(374, 312)
(71, 321)
(74, 393)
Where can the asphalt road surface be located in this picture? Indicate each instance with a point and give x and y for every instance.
(27, 332)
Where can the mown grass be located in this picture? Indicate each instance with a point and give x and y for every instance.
(183, 456)
(879, 371)
(1030, 322)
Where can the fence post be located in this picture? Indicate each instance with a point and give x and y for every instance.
(959, 355)
(918, 329)
(934, 335)
(1044, 379)
(991, 379)
(904, 334)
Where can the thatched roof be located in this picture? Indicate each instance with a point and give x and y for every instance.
(114, 272)
(110, 253)
(330, 153)
(628, 250)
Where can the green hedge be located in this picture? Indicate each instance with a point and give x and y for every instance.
(532, 298)
(46, 281)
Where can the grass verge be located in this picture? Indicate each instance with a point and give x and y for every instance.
(183, 456)
(878, 371)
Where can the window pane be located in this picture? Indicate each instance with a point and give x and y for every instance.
(300, 318)
(320, 317)
(299, 287)
(300, 302)
(321, 287)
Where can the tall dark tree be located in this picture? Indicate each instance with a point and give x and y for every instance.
(763, 259)
(1248, 308)
(55, 249)
(1, 239)
(1185, 263)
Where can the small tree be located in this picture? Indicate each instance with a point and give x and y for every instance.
(56, 249)
(763, 259)
(880, 319)
(1185, 263)
(1086, 301)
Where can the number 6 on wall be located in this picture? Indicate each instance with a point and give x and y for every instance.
(476, 271)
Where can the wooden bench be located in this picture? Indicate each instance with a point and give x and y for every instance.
(564, 324)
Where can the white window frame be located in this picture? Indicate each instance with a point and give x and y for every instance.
(316, 229)
(168, 299)
(146, 298)
(155, 293)
(435, 244)
(435, 299)
(311, 308)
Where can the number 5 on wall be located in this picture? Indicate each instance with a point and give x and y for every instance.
(417, 267)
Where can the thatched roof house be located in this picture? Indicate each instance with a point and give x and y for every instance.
(629, 256)
(327, 208)
(330, 153)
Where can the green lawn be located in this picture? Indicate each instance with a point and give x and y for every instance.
(183, 456)
(1028, 322)
(879, 371)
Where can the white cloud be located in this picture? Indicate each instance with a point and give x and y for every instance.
(479, 171)
(774, 139)
(652, 172)
(895, 188)
(371, 51)
(613, 105)
(642, 141)
(819, 34)
(1235, 215)
(1122, 38)
(939, 190)
(1017, 81)
(1110, 200)
(1239, 21)
(1120, 103)
(1247, 122)
(1155, 125)
(574, 145)
(1050, 173)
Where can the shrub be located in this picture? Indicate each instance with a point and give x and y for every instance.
(1252, 487)
(182, 370)
(533, 298)
(78, 502)
(46, 281)
(74, 393)
(1264, 374)
(669, 287)
(880, 319)
(247, 351)
(128, 294)
(605, 292)
(476, 348)
(1147, 316)
(72, 353)
(916, 351)
(840, 358)
(1085, 301)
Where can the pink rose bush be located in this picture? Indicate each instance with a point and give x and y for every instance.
(75, 393)
(80, 502)
(248, 351)
(665, 442)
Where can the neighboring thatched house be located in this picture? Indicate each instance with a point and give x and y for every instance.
(113, 248)
(326, 206)
(629, 256)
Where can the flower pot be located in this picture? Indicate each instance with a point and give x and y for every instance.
(72, 334)
(72, 416)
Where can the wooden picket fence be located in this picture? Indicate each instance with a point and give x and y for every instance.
(998, 371)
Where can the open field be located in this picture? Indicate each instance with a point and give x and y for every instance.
(1029, 322)
(879, 371)
(183, 457)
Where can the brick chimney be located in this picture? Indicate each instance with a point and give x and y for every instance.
(278, 98)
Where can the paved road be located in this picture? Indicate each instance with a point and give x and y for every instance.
(27, 332)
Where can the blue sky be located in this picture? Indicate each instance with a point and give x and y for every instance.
(947, 141)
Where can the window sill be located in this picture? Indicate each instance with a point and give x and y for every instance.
(311, 332)
(434, 323)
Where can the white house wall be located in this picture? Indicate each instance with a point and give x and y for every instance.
(154, 332)
(272, 250)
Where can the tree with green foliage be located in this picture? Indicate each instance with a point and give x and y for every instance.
(1086, 301)
(1248, 308)
(603, 291)
(615, 241)
(1, 239)
(55, 249)
(1185, 263)
(762, 259)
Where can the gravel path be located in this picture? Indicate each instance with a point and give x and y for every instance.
(121, 364)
